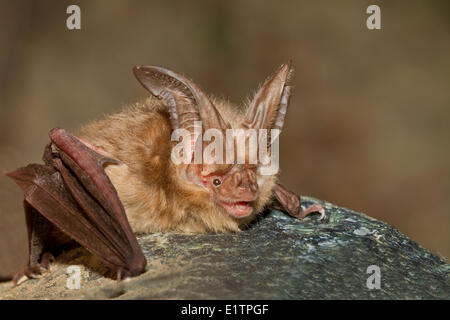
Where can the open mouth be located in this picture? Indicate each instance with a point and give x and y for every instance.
(237, 209)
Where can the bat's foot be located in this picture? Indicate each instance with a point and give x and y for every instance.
(46, 260)
(34, 271)
(290, 202)
(312, 209)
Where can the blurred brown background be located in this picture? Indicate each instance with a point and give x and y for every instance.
(368, 127)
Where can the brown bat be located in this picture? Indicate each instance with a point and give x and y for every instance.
(117, 177)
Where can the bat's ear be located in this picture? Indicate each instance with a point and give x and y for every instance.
(186, 101)
(268, 108)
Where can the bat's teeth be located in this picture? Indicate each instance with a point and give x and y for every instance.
(237, 208)
(241, 204)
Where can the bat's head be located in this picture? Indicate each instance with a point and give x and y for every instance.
(234, 158)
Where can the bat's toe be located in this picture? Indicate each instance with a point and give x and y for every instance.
(34, 271)
(314, 208)
(46, 260)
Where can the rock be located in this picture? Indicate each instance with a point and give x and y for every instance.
(277, 257)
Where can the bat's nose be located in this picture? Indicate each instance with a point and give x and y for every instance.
(245, 194)
(244, 185)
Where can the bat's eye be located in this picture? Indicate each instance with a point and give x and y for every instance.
(217, 182)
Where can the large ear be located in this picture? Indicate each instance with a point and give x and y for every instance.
(186, 101)
(268, 108)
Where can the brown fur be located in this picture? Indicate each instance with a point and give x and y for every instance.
(155, 196)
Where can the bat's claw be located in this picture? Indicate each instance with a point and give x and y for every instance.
(122, 275)
(313, 209)
(34, 272)
(19, 278)
(322, 214)
(291, 203)
(25, 274)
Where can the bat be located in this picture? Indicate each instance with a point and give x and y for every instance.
(121, 176)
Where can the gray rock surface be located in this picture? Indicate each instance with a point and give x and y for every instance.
(278, 257)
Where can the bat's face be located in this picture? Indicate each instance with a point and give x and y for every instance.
(233, 186)
(235, 190)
